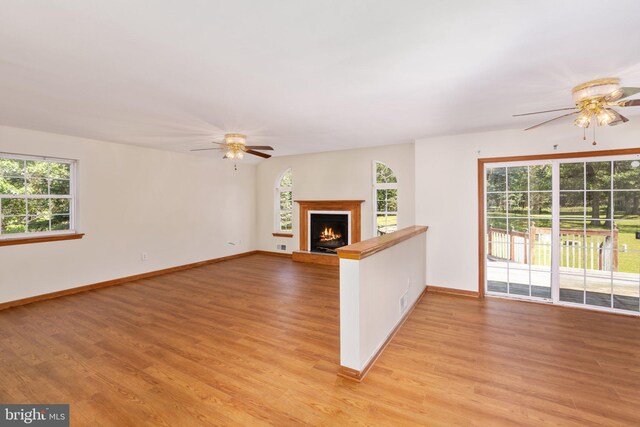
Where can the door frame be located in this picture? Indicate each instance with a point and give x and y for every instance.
(481, 184)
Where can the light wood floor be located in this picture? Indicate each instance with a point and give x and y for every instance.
(254, 341)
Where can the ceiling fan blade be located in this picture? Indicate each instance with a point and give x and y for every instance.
(206, 149)
(257, 153)
(219, 143)
(545, 111)
(623, 92)
(555, 118)
(629, 103)
(258, 147)
(619, 118)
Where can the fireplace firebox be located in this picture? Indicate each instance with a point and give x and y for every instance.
(328, 232)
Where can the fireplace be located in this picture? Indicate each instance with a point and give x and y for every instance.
(328, 232)
(326, 225)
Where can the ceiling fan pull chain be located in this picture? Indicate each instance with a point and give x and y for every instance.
(594, 136)
(584, 134)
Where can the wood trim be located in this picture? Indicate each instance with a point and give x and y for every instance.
(354, 374)
(41, 239)
(369, 247)
(119, 281)
(452, 291)
(271, 253)
(315, 258)
(281, 235)
(354, 206)
(555, 156)
(481, 255)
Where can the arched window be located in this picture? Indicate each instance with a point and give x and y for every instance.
(385, 209)
(284, 202)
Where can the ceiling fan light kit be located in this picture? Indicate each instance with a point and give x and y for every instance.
(594, 100)
(235, 146)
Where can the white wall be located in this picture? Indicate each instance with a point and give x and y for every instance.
(446, 187)
(335, 175)
(370, 292)
(179, 208)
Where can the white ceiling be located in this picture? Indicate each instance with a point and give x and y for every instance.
(303, 76)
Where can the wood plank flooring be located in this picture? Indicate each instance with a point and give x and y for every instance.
(254, 341)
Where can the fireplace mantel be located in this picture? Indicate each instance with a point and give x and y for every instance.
(352, 206)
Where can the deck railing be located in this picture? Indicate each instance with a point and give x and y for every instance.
(598, 250)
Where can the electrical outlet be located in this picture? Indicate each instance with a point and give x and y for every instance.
(144, 256)
(403, 303)
(281, 247)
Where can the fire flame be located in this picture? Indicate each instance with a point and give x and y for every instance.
(328, 234)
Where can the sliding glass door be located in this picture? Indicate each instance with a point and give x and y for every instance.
(518, 202)
(564, 231)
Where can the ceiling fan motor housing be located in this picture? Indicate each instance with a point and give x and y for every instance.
(595, 90)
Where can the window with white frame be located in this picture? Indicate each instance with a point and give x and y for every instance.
(36, 196)
(385, 185)
(284, 202)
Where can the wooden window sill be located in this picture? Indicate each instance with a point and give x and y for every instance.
(282, 235)
(40, 239)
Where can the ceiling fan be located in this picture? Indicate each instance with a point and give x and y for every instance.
(594, 100)
(235, 146)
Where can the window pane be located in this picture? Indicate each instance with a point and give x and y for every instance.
(384, 174)
(572, 204)
(497, 279)
(540, 177)
(540, 204)
(381, 196)
(11, 185)
(518, 226)
(60, 186)
(518, 204)
(39, 207)
(381, 221)
(496, 204)
(286, 204)
(285, 221)
(571, 176)
(11, 167)
(38, 223)
(60, 170)
(518, 178)
(14, 224)
(626, 282)
(287, 179)
(392, 200)
(598, 204)
(14, 207)
(626, 174)
(496, 179)
(37, 186)
(60, 206)
(626, 204)
(598, 175)
(37, 169)
(60, 222)
(571, 236)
